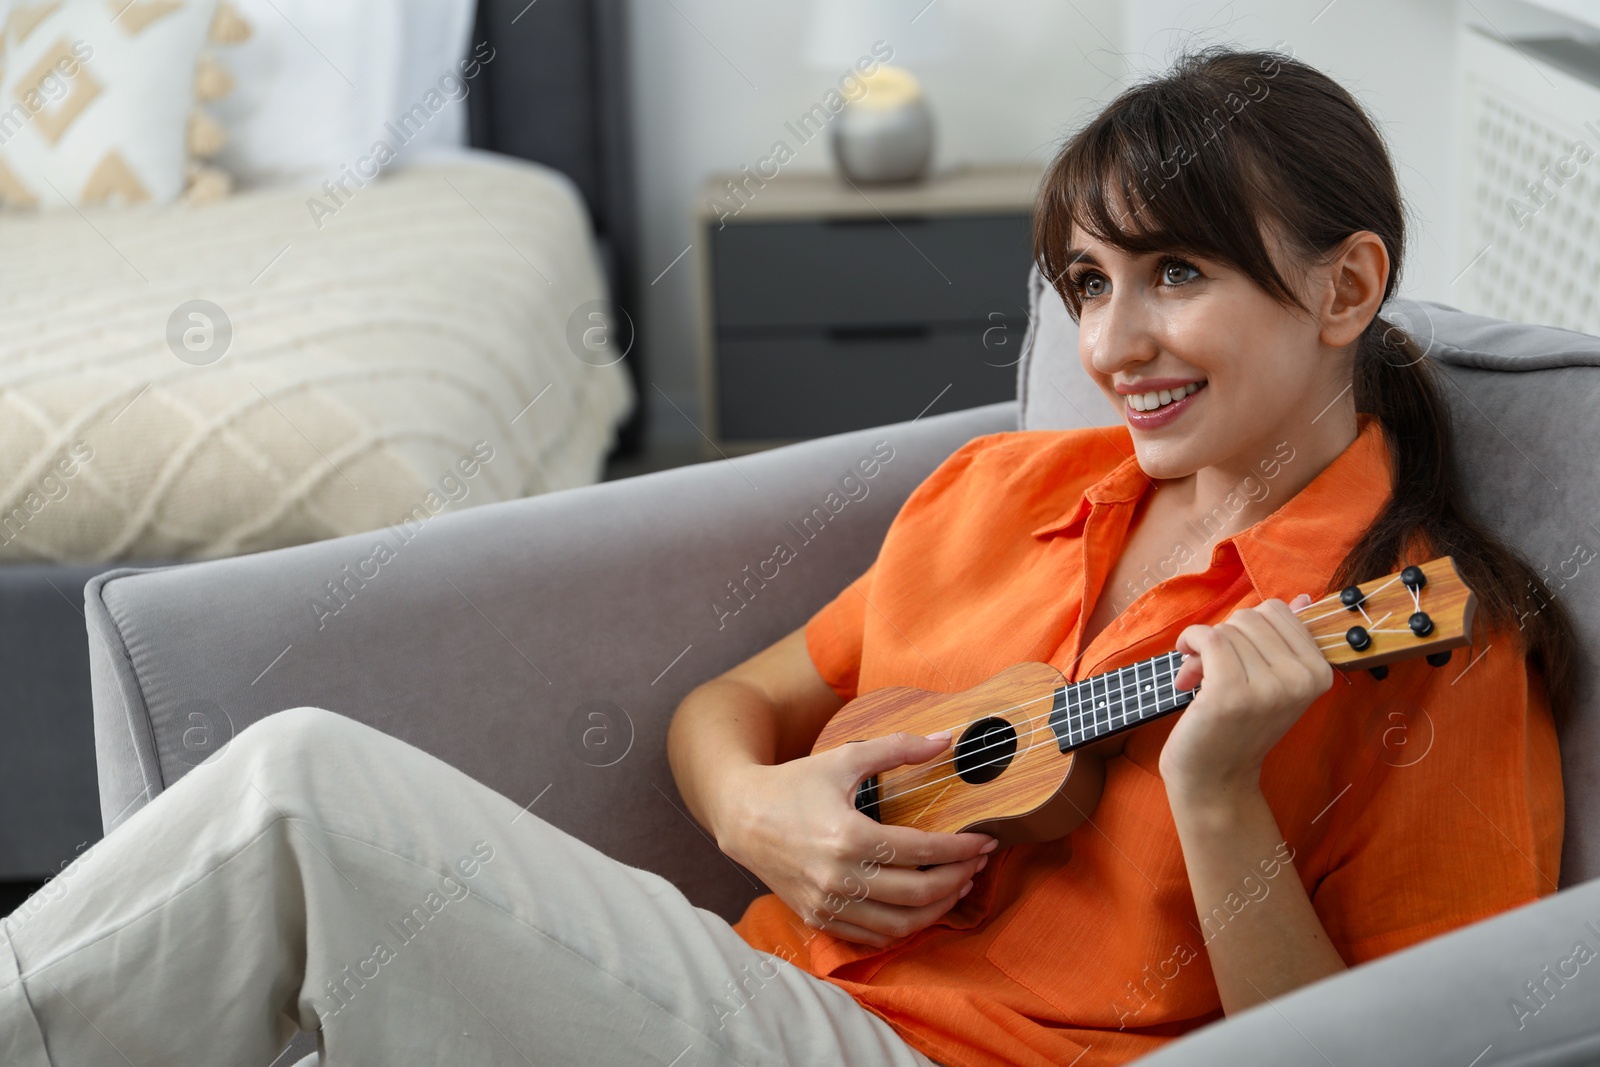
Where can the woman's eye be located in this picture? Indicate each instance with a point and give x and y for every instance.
(1176, 265)
(1084, 280)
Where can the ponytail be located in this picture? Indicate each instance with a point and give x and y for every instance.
(1396, 382)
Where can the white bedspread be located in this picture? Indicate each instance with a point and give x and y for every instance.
(374, 361)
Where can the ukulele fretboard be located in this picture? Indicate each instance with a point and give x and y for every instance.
(1117, 700)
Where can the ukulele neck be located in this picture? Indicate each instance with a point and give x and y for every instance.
(1086, 711)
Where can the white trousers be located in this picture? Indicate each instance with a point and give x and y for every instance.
(319, 874)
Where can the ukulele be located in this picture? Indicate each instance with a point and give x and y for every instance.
(1029, 747)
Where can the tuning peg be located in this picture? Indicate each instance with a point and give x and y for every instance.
(1358, 638)
(1413, 578)
(1351, 597)
(1439, 659)
(1380, 673)
(1420, 624)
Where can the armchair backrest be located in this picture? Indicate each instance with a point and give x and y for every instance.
(1523, 400)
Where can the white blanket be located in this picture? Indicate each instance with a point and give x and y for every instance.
(382, 344)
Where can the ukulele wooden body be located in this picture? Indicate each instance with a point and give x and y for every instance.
(1038, 794)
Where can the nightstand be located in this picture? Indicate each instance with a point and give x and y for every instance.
(828, 307)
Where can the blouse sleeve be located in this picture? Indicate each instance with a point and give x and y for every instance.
(1463, 815)
(834, 636)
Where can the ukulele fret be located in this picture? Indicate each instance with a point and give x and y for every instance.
(1122, 697)
(1145, 692)
(1102, 706)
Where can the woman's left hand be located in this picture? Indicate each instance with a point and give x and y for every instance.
(1261, 669)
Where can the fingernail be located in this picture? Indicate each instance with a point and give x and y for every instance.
(991, 846)
(965, 890)
(942, 735)
(983, 861)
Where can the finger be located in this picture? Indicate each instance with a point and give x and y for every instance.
(1292, 629)
(1192, 671)
(892, 921)
(846, 931)
(1301, 602)
(1303, 643)
(1268, 640)
(911, 888)
(905, 846)
(1246, 634)
(862, 759)
(1222, 664)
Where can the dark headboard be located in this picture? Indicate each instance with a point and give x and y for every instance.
(557, 93)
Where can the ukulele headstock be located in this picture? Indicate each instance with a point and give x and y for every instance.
(1422, 610)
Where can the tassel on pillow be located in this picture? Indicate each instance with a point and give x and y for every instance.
(206, 184)
(211, 80)
(228, 26)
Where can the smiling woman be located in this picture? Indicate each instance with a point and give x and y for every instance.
(1228, 305)
(1251, 278)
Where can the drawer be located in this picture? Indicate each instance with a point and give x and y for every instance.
(863, 271)
(822, 383)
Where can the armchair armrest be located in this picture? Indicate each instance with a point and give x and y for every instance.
(540, 645)
(1464, 998)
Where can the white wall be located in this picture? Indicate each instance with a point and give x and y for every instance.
(1397, 57)
(716, 79)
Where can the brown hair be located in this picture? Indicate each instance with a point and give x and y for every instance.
(1205, 153)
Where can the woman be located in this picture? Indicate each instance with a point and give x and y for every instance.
(1225, 235)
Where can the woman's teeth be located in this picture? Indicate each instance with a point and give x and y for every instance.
(1151, 401)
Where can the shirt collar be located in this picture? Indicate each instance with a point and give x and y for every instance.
(1293, 549)
(1124, 484)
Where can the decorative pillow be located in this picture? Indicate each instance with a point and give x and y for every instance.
(98, 101)
(320, 82)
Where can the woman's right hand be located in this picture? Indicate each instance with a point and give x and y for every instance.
(795, 825)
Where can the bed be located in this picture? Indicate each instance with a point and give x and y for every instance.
(418, 349)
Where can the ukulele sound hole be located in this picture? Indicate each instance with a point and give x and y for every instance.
(985, 750)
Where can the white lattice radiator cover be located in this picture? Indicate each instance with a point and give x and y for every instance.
(1530, 227)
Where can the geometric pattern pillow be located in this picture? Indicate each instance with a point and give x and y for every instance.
(99, 101)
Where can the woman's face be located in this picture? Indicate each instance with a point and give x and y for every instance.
(1205, 367)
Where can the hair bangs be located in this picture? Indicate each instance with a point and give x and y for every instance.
(1156, 176)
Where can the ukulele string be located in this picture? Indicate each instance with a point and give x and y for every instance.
(1364, 598)
(999, 711)
(1051, 696)
(963, 727)
(1339, 639)
(948, 777)
(988, 746)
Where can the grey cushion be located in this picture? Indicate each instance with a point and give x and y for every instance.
(1523, 400)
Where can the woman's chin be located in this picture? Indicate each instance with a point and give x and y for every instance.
(1164, 462)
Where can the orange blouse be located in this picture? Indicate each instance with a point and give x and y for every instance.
(1410, 806)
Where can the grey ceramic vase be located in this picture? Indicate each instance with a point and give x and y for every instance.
(875, 144)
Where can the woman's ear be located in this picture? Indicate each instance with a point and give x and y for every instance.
(1356, 278)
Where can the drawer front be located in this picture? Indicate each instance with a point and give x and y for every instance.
(844, 272)
(817, 384)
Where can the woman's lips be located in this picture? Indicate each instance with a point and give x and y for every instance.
(1166, 413)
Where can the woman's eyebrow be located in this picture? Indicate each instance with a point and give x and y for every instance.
(1081, 255)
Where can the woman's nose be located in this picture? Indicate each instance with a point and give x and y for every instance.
(1119, 335)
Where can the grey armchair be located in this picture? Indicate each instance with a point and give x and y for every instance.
(541, 646)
